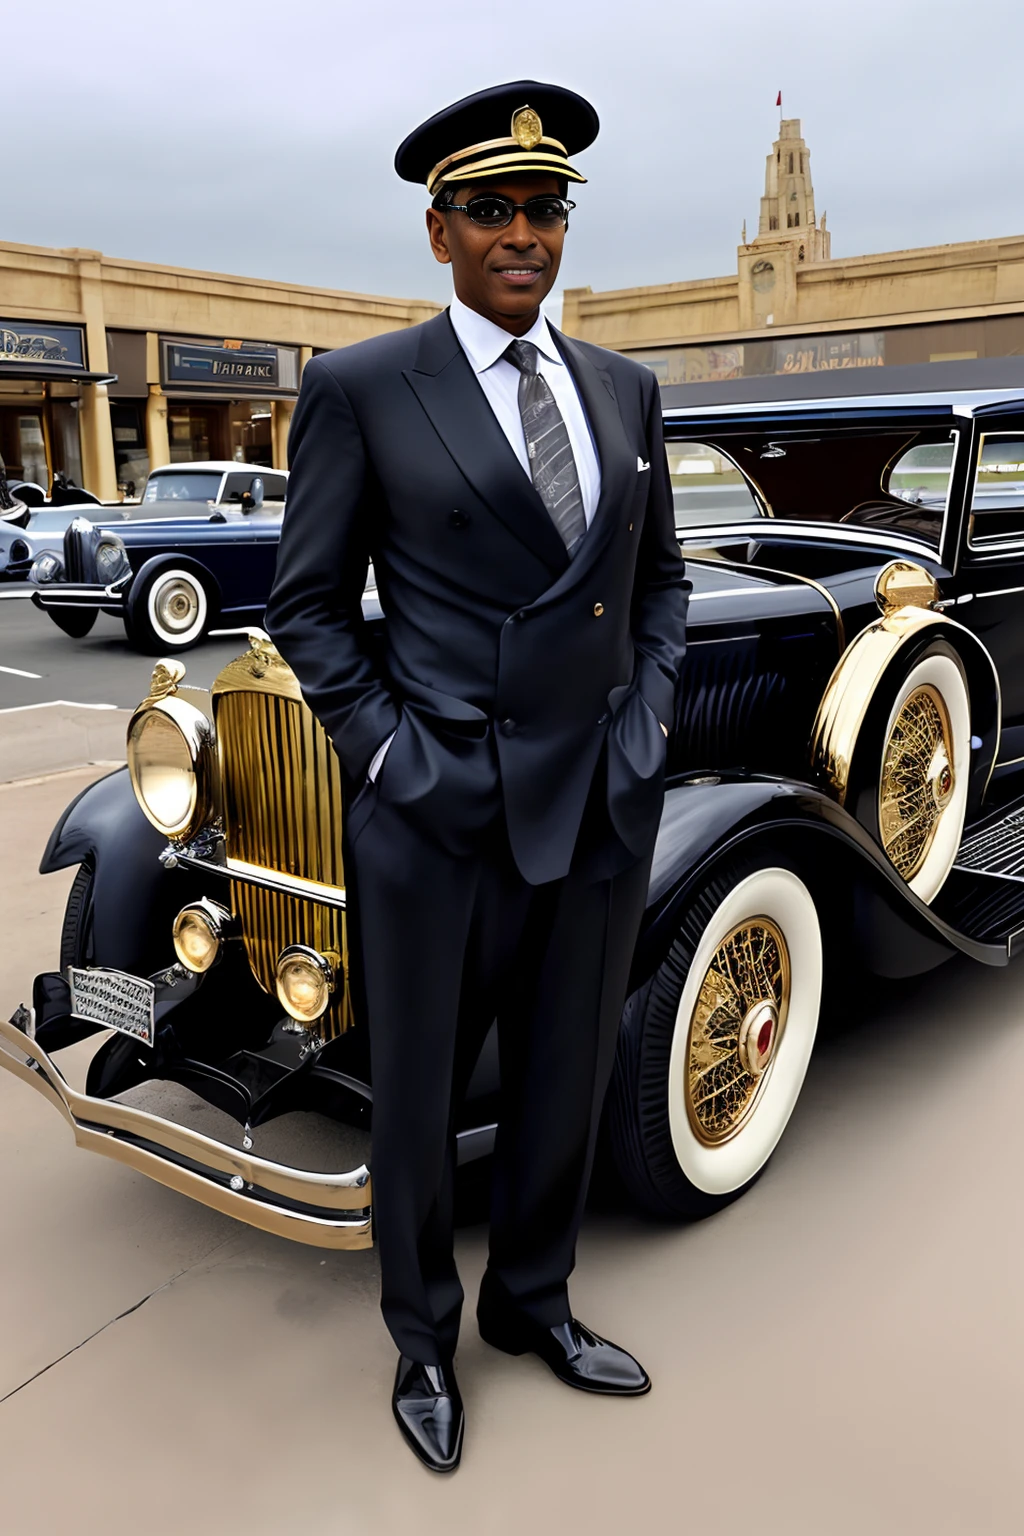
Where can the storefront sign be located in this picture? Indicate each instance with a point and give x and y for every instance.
(33, 341)
(756, 359)
(812, 354)
(221, 367)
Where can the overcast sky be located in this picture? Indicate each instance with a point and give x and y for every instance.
(258, 137)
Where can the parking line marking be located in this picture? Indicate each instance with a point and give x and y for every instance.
(17, 672)
(53, 703)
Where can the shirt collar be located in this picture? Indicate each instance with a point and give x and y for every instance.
(484, 342)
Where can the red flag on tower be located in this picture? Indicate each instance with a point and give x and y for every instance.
(778, 100)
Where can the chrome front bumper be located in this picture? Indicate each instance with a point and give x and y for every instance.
(326, 1210)
(66, 594)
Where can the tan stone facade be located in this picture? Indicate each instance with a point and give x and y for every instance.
(791, 308)
(203, 360)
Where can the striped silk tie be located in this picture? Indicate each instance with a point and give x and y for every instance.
(547, 442)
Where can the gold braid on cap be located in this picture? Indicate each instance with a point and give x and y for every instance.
(525, 135)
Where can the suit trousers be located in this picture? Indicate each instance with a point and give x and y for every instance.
(449, 944)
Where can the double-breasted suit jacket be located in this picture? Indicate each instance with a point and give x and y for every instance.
(506, 666)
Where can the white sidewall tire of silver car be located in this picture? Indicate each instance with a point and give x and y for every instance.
(942, 673)
(666, 1167)
(781, 896)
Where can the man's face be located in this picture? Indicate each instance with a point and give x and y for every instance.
(504, 274)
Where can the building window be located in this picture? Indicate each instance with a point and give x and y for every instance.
(800, 255)
(773, 221)
(791, 164)
(789, 221)
(796, 221)
(801, 165)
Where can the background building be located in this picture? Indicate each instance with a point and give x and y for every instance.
(108, 367)
(790, 308)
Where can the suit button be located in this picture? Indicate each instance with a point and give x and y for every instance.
(598, 610)
(458, 519)
(507, 727)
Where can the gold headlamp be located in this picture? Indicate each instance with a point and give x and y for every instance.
(171, 759)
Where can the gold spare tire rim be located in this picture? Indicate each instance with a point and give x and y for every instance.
(735, 1029)
(917, 779)
(177, 606)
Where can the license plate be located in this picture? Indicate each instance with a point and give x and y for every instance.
(113, 999)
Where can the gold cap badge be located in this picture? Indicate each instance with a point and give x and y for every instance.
(526, 128)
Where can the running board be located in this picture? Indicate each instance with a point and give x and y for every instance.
(996, 849)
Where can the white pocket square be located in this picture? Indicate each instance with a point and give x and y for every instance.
(640, 465)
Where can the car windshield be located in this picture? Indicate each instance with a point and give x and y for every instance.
(896, 478)
(193, 486)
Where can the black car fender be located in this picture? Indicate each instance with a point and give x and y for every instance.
(134, 900)
(868, 913)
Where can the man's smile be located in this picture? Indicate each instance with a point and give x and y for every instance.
(521, 275)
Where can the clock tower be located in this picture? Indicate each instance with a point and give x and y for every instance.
(788, 234)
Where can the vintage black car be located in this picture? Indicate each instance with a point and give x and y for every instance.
(845, 794)
(197, 551)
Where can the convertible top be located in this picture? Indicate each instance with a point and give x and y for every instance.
(983, 373)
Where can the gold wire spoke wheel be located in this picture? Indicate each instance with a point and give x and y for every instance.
(177, 606)
(917, 779)
(735, 1028)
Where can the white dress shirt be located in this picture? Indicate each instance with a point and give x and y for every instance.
(484, 344)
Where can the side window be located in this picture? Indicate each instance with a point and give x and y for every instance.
(707, 487)
(921, 475)
(997, 507)
(274, 486)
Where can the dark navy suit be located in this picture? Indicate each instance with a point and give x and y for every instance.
(499, 861)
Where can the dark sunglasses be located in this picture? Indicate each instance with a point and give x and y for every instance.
(493, 211)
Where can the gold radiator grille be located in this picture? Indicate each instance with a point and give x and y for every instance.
(281, 788)
(281, 785)
(270, 921)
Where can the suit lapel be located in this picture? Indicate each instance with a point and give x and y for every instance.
(615, 455)
(447, 389)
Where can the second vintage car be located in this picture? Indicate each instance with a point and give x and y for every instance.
(197, 550)
(845, 794)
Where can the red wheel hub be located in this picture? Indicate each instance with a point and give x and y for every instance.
(758, 1033)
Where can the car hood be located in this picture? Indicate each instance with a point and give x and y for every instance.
(722, 592)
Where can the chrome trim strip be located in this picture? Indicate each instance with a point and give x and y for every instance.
(769, 527)
(114, 1130)
(63, 595)
(959, 402)
(292, 885)
(697, 597)
(253, 874)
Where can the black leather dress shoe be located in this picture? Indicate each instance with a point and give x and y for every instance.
(429, 1412)
(578, 1357)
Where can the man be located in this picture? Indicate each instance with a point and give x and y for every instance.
(505, 757)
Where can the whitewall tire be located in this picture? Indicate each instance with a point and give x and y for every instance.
(170, 611)
(713, 1051)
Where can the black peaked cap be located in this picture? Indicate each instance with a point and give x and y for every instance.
(522, 126)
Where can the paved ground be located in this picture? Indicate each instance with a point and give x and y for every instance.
(838, 1354)
(100, 669)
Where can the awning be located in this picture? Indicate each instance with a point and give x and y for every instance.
(46, 372)
(238, 393)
